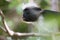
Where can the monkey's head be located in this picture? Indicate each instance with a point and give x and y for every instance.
(31, 14)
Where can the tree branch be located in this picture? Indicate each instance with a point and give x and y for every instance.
(12, 33)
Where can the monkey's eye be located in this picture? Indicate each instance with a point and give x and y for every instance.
(37, 9)
(26, 9)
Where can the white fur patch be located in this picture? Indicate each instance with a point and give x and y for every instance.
(46, 26)
(29, 5)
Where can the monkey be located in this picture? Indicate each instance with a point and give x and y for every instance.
(32, 13)
(46, 21)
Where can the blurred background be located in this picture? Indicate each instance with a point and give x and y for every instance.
(13, 14)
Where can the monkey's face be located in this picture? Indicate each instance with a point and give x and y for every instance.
(31, 14)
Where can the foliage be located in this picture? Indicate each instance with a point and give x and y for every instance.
(45, 4)
(23, 27)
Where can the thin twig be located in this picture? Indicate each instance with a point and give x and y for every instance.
(3, 29)
(5, 24)
(12, 33)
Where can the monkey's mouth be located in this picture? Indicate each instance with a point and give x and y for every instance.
(28, 22)
(29, 19)
(24, 19)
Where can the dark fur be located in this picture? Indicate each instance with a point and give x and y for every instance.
(32, 14)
